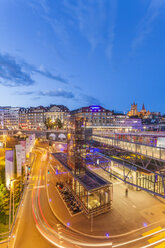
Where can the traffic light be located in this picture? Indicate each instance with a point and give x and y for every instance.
(48, 171)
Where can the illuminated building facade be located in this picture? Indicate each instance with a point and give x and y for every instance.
(55, 112)
(94, 115)
(35, 118)
(23, 121)
(10, 117)
(134, 111)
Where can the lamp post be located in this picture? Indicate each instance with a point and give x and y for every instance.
(92, 222)
(9, 217)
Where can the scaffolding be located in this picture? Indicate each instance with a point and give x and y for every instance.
(76, 145)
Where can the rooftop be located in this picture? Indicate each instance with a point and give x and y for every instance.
(90, 180)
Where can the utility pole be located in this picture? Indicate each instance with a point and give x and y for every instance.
(92, 222)
(10, 209)
(13, 200)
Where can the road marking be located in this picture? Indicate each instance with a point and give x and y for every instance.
(162, 245)
(39, 187)
(151, 245)
(152, 231)
(157, 237)
(38, 177)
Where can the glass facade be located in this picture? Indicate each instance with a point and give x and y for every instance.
(94, 201)
(146, 150)
(150, 181)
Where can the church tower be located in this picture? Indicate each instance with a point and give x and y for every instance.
(133, 111)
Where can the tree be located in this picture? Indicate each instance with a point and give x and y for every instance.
(58, 123)
(48, 123)
(4, 200)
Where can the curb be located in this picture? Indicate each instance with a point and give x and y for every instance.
(88, 235)
(94, 236)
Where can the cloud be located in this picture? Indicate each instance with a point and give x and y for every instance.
(77, 87)
(14, 73)
(53, 93)
(90, 100)
(26, 93)
(83, 98)
(111, 27)
(95, 20)
(35, 98)
(48, 74)
(57, 93)
(146, 24)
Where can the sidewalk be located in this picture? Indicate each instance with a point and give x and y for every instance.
(129, 213)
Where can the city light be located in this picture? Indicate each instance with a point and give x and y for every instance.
(107, 235)
(82, 124)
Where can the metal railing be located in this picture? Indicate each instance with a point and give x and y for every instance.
(138, 148)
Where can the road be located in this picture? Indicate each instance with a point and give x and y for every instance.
(36, 225)
(37, 218)
(27, 234)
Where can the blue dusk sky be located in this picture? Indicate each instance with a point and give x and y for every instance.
(83, 52)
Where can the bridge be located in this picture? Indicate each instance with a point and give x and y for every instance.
(48, 134)
(142, 166)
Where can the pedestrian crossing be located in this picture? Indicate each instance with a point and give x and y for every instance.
(34, 178)
(156, 237)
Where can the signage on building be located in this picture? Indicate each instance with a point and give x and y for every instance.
(19, 159)
(23, 144)
(9, 167)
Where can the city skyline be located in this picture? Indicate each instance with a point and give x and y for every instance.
(125, 112)
(82, 53)
(82, 123)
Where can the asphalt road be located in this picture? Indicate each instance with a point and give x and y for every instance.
(27, 233)
(35, 215)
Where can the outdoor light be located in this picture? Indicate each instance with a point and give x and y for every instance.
(145, 224)
(68, 223)
(107, 235)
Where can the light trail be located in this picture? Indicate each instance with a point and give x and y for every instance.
(157, 242)
(71, 242)
(138, 239)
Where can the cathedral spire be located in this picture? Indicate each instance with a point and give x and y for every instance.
(143, 108)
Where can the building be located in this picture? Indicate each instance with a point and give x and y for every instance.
(1, 118)
(35, 118)
(23, 123)
(55, 112)
(10, 117)
(134, 112)
(94, 115)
